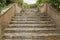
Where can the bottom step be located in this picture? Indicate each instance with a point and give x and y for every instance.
(36, 39)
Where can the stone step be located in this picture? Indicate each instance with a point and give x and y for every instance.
(30, 29)
(31, 13)
(33, 37)
(32, 17)
(25, 13)
(32, 25)
(33, 31)
(53, 38)
(44, 14)
(31, 22)
(24, 19)
(28, 14)
(29, 35)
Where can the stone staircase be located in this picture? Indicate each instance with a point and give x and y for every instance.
(31, 25)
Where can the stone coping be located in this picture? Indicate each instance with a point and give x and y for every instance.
(6, 9)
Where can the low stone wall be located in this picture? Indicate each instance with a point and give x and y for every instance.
(7, 15)
(5, 18)
(18, 9)
(54, 15)
(43, 8)
(52, 12)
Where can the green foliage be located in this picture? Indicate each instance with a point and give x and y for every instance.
(25, 5)
(55, 3)
(33, 6)
(20, 2)
(8, 2)
(4, 3)
(39, 2)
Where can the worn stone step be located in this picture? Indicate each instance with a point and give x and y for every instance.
(30, 29)
(33, 31)
(22, 39)
(37, 39)
(29, 13)
(32, 25)
(31, 22)
(45, 19)
(34, 13)
(33, 37)
(29, 34)
(32, 17)
(24, 19)
(44, 14)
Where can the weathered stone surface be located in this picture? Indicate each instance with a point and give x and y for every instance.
(31, 25)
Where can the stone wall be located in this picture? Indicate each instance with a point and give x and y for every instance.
(43, 8)
(52, 12)
(54, 16)
(7, 15)
(18, 9)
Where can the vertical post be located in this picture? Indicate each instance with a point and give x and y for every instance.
(46, 7)
(14, 1)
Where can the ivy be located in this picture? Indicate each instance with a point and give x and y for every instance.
(20, 2)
